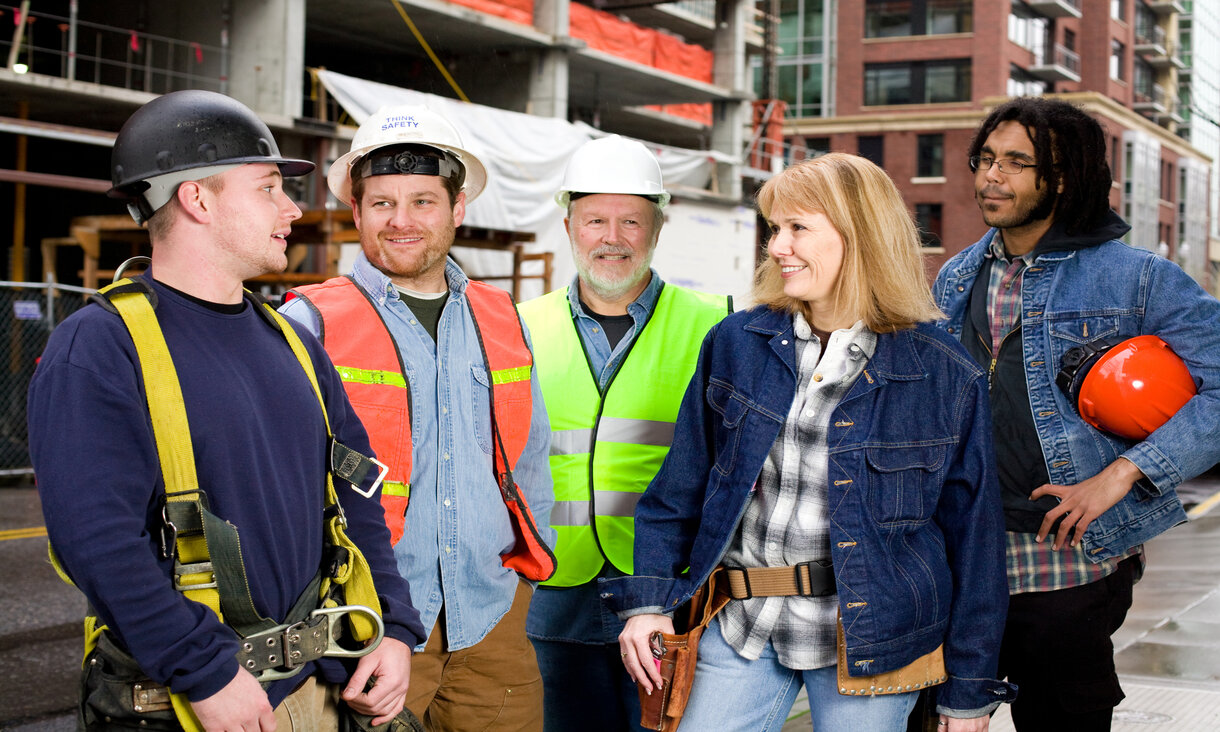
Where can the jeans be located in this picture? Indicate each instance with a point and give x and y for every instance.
(734, 693)
(1057, 649)
(587, 688)
(575, 637)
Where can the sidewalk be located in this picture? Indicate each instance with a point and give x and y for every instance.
(1168, 650)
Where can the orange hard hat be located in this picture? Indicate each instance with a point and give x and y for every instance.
(1126, 387)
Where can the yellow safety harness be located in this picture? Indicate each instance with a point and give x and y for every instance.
(206, 551)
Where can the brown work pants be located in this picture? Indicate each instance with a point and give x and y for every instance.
(492, 685)
(311, 708)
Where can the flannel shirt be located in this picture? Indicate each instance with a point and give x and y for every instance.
(1033, 566)
(787, 520)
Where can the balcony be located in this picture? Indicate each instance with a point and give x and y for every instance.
(1150, 43)
(1166, 7)
(1150, 101)
(1063, 65)
(1056, 8)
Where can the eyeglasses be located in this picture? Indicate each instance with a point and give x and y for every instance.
(1009, 167)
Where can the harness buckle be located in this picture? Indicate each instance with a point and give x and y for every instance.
(821, 578)
(280, 652)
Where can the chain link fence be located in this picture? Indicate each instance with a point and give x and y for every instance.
(28, 313)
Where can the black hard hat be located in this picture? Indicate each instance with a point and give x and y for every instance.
(190, 129)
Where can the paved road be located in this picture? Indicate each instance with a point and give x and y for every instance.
(1167, 651)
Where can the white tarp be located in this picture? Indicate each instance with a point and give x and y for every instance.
(525, 156)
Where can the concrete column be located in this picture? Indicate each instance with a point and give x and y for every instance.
(548, 82)
(267, 55)
(729, 70)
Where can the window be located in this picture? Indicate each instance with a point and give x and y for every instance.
(1021, 83)
(1117, 51)
(917, 82)
(930, 156)
(894, 18)
(1114, 148)
(928, 221)
(873, 148)
(801, 71)
(1118, 9)
(1026, 29)
(1145, 81)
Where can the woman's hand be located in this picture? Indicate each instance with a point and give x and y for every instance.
(953, 724)
(637, 654)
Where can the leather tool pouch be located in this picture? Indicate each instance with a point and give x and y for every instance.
(663, 709)
(925, 671)
(115, 694)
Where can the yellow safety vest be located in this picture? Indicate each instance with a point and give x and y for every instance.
(606, 448)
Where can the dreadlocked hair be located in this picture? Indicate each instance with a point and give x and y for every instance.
(1070, 147)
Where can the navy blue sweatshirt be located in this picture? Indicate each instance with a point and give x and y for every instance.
(260, 454)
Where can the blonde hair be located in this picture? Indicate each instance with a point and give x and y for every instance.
(882, 281)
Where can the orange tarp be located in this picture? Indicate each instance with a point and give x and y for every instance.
(606, 32)
(518, 11)
(684, 59)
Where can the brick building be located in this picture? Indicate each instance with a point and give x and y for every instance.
(905, 83)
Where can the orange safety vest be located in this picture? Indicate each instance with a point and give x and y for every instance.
(370, 365)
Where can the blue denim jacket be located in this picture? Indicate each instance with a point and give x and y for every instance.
(1072, 297)
(457, 526)
(916, 533)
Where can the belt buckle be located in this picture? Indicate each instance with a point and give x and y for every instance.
(821, 565)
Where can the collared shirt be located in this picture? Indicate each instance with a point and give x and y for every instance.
(602, 359)
(1033, 566)
(787, 520)
(456, 525)
(1004, 291)
(577, 614)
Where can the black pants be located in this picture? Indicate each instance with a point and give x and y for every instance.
(1057, 650)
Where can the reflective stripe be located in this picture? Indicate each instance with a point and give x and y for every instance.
(571, 442)
(394, 488)
(368, 376)
(508, 376)
(609, 503)
(635, 431)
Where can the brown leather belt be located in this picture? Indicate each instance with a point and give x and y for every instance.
(807, 579)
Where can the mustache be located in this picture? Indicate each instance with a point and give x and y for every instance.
(994, 192)
(610, 249)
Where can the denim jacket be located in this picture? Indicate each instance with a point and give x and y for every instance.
(1074, 296)
(916, 532)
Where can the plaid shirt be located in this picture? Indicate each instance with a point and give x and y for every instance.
(1033, 566)
(787, 520)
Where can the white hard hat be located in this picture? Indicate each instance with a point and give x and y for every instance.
(613, 164)
(399, 125)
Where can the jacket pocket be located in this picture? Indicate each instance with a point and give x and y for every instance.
(480, 401)
(730, 411)
(902, 481)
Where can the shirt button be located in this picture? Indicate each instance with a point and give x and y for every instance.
(446, 456)
(412, 322)
(448, 550)
(444, 410)
(446, 501)
(595, 330)
(783, 342)
(817, 377)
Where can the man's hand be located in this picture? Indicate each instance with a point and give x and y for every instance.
(1081, 503)
(389, 666)
(953, 724)
(636, 652)
(240, 705)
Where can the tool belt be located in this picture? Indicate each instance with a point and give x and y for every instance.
(816, 579)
